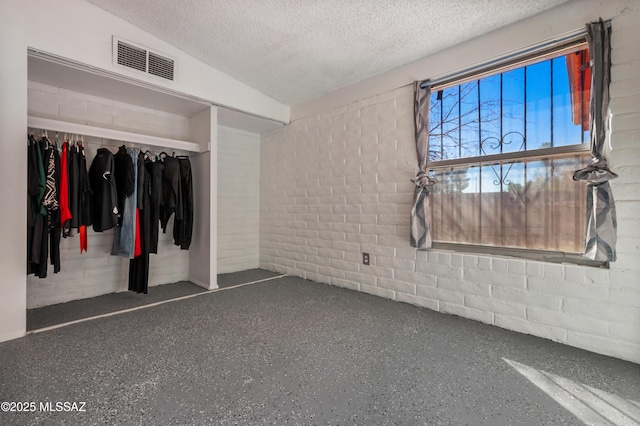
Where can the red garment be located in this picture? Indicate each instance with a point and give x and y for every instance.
(65, 213)
(137, 251)
(83, 237)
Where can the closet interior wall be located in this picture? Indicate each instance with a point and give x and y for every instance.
(96, 271)
(238, 200)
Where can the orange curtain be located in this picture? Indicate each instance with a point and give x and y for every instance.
(580, 85)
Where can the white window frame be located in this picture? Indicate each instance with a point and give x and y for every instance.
(551, 49)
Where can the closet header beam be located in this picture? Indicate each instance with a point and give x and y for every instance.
(36, 53)
(112, 134)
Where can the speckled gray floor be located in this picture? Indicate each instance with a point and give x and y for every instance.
(290, 351)
(251, 275)
(85, 308)
(78, 309)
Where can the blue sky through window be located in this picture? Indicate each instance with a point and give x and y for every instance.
(532, 103)
(522, 109)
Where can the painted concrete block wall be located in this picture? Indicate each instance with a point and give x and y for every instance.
(336, 184)
(65, 105)
(238, 199)
(96, 272)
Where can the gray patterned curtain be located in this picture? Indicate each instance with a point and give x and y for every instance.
(421, 209)
(600, 238)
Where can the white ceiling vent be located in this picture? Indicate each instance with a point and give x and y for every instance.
(161, 66)
(130, 55)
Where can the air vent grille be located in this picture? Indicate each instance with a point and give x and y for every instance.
(132, 57)
(160, 66)
(137, 57)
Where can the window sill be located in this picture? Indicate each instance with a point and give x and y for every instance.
(525, 254)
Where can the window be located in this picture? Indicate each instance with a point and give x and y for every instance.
(504, 147)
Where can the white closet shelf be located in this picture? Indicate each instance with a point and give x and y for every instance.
(118, 135)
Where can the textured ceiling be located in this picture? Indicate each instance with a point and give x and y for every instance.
(295, 50)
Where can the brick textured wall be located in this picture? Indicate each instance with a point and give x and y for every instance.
(61, 104)
(238, 199)
(336, 184)
(96, 272)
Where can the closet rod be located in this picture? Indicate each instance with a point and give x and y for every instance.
(118, 135)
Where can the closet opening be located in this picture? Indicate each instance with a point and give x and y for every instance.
(114, 135)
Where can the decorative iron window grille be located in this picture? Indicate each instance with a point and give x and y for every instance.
(504, 147)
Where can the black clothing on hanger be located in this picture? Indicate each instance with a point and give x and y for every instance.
(74, 187)
(155, 169)
(33, 187)
(40, 237)
(140, 181)
(85, 205)
(104, 193)
(139, 265)
(124, 177)
(55, 229)
(183, 228)
(171, 192)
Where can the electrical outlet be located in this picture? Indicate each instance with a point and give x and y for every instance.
(365, 258)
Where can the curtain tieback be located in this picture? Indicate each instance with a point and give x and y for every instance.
(596, 172)
(422, 179)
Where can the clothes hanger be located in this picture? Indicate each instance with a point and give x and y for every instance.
(81, 146)
(45, 138)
